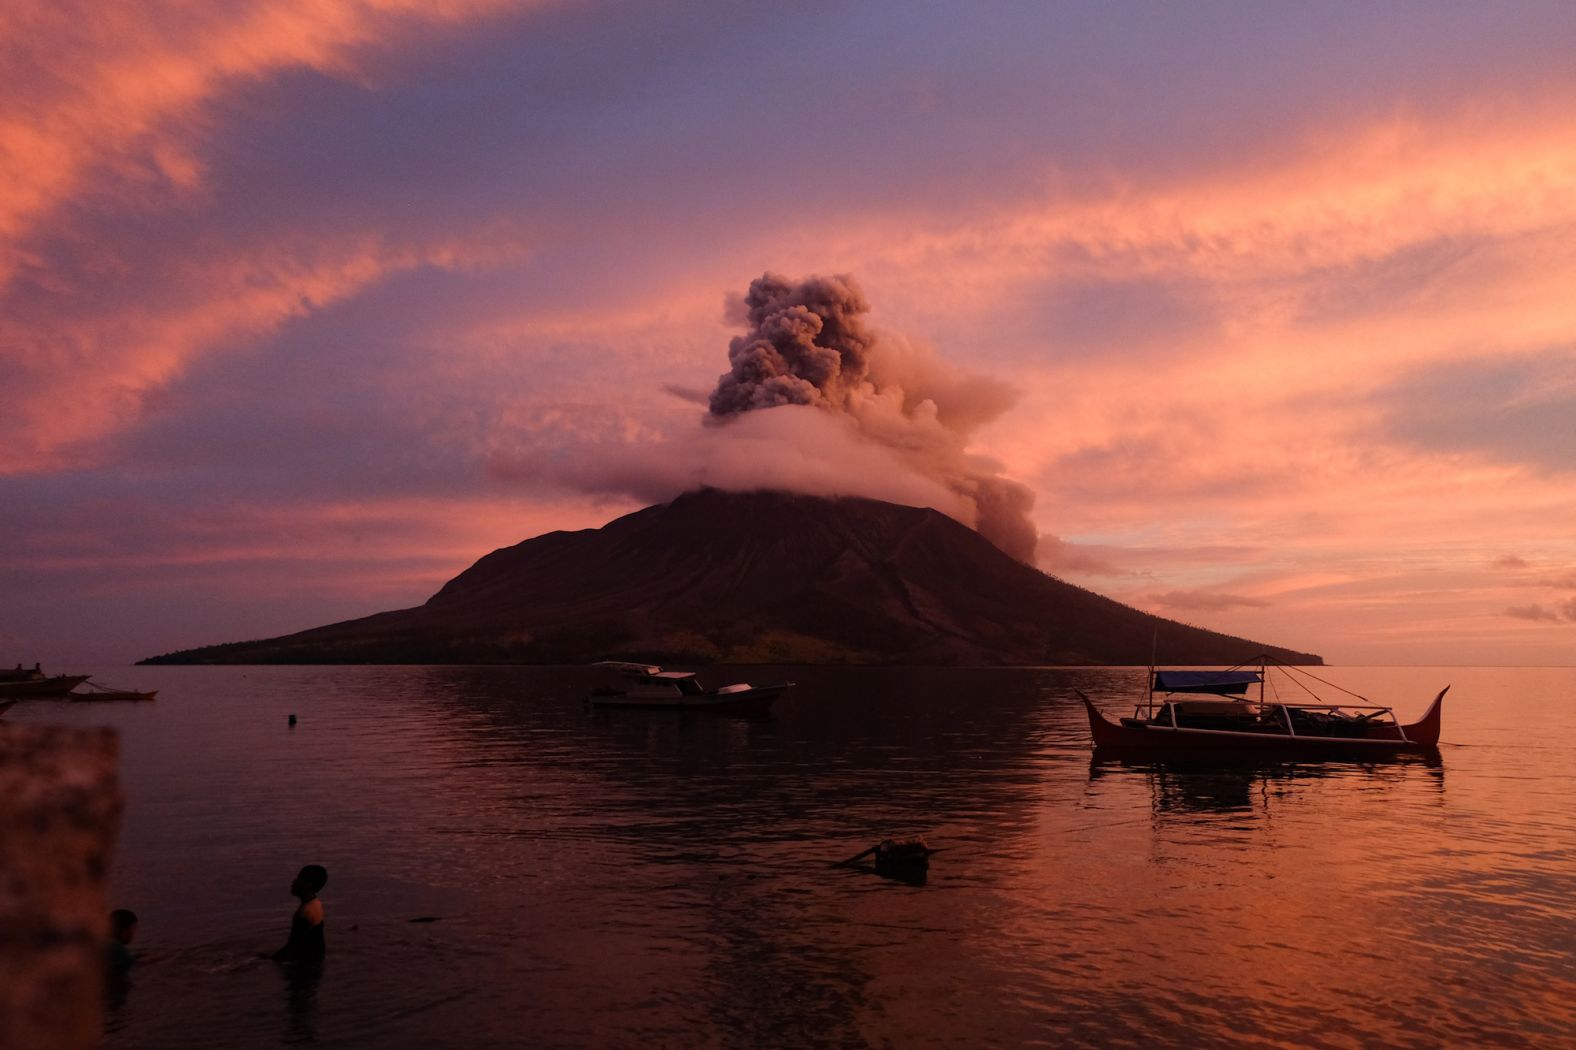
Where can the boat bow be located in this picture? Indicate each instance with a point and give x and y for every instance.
(1425, 730)
(1101, 729)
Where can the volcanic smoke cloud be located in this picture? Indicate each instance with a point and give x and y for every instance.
(807, 343)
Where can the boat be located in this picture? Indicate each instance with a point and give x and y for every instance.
(104, 692)
(649, 686)
(33, 684)
(1215, 713)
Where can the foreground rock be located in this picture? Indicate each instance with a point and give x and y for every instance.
(761, 577)
(59, 812)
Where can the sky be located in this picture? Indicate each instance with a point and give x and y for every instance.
(306, 305)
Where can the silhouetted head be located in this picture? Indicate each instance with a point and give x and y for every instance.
(123, 925)
(310, 881)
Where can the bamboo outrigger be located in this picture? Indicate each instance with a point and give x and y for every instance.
(103, 692)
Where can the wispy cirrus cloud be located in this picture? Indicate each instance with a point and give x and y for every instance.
(109, 100)
(122, 260)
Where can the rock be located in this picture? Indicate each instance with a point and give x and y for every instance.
(60, 810)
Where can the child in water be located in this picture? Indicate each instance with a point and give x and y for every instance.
(306, 925)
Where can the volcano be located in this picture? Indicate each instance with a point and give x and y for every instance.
(756, 577)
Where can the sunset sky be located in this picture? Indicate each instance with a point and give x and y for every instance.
(307, 305)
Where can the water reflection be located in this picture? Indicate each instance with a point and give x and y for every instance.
(301, 981)
(613, 878)
(1199, 786)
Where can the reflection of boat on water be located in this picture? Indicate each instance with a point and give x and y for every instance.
(33, 684)
(1216, 784)
(649, 686)
(1211, 713)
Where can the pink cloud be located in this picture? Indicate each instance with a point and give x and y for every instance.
(1210, 601)
(1542, 613)
(108, 98)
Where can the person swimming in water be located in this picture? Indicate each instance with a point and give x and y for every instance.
(306, 925)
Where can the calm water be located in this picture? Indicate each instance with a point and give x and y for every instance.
(650, 879)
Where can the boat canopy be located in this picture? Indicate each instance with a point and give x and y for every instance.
(673, 676)
(628, 668)
(1205, 681)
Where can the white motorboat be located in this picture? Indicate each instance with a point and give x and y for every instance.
(647, 685)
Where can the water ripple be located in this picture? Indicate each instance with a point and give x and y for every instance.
(636, 878)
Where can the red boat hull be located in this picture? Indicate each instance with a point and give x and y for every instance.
(1421, 737)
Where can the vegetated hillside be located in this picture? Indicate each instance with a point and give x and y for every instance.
(753, 578)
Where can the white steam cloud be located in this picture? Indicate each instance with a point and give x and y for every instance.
(815, 401)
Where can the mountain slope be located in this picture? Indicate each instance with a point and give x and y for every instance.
(755, 577)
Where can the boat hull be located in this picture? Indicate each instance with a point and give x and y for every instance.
(112, 695)
(41, 688)
(750, 699)
(1419, 738)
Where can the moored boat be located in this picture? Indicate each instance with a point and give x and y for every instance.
(34, 684)
(649, 686)
(104, 692)
(1212, 713)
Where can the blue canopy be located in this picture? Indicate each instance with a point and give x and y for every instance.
(1205, 681)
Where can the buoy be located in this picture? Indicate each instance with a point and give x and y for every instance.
(292, 721)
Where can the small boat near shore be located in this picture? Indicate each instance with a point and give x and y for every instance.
(649, 686)
(33, 684)
(96, 692)
(1213, 713)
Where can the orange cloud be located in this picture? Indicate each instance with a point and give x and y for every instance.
(1329, 269)
(90, 374)
(110, 100)
(114, 92)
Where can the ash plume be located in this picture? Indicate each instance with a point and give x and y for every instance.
(807, 343)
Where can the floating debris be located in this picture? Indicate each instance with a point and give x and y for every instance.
(904, 859)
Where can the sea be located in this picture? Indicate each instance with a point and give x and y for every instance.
(509, 867)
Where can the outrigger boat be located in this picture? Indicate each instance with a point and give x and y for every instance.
(1211, 712)
(104, 692)
(647, 685)
(34, 684)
